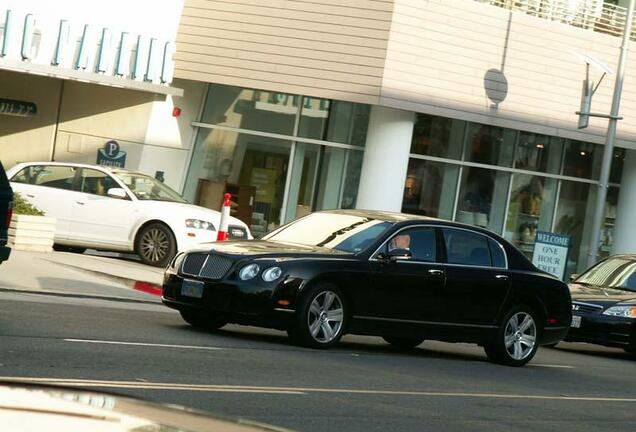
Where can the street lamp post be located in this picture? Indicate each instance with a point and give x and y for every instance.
(601, 196)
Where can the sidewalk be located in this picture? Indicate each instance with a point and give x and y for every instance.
(81, 275)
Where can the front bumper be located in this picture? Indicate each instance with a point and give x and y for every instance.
(236, 301)
(600, 329)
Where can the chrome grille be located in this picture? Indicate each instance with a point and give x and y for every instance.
(236, 232)
(216, 267)
(586, 307)
(193, 263)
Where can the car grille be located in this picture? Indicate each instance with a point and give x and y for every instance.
(236, 232)
(206, 266)
(585, 307)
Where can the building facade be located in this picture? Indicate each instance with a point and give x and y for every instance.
(460, 110)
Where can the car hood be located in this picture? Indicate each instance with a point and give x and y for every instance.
(601, 295)
(266, 247)
(190, 211)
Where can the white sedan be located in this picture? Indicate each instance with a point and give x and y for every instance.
(118, 210)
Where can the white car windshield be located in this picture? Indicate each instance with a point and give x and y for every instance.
(147, 188)
(347, 233)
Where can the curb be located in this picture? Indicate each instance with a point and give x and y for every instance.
(79, 295)
(119, 279)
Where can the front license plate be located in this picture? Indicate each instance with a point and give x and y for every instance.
(576, 321)
(191, 288)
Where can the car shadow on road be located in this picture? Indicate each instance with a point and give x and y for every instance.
(595, 351)
(278, 341)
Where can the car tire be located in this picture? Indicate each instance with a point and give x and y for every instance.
(156, 245)
(201, 320)
(320, 319)
(71, 249)
(402, 342)
(517, 339)
(552, 345)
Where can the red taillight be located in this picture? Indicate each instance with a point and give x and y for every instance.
(9, 213)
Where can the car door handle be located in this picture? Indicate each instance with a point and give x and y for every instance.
(435, 272)
(80, 202)
(30, 195)
(502, 277)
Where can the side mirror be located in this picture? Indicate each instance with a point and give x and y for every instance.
(117, 193)
(398, 255)
(574, 276)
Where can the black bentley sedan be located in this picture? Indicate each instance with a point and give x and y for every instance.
(402, 277)
(604, 304)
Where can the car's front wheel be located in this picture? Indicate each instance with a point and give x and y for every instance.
(516, 341)
(202, 320)
(403, 342)
(320, 317)
(156, 245)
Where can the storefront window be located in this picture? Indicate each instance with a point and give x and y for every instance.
(490, 145)
(575, 202)
(438, 136)
(607, 230)
(538, 153)
(250, 109)
(482, 198)
(252, 168)
(616, 173)
(582, 159)
(531, 207)
(319, 179)
(335, 121)
(430, 188)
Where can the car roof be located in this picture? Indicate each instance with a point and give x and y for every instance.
(82, 165)
(383, 215)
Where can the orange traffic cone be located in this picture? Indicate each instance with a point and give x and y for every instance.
(225, 218)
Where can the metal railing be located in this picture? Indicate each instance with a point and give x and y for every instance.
(588, 14)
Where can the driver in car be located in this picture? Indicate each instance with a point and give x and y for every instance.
(400, 241)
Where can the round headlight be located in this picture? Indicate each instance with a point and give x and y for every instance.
(249, 272)
(271, 274)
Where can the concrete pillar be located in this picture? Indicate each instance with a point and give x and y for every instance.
(386, 159)
(625, 231)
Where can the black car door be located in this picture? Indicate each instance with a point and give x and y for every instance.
(477, 280)
(406, 290)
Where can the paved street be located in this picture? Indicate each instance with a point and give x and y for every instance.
(363, 385)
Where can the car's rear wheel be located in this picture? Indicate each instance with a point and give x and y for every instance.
(516, 341)
(202, 320)
(156, 245)
(320, 317)
(402, 342)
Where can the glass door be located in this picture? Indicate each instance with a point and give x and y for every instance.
(321, 179)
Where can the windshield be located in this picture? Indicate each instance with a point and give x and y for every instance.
(341, 232)
(612, 273)
(147, 188)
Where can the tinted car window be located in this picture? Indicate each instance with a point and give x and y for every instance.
(420, 241)
(96, 182)
(467, 248)
(497, 254)
(59, 177)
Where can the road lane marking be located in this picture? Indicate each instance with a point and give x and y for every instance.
(143, 344)
(302, 390)
(551, 366)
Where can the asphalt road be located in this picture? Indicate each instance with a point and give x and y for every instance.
(362, 385)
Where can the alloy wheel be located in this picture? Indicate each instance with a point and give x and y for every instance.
(325, 317)
(154, 245)
(520, 335)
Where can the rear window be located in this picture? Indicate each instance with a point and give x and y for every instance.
(466, 248)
